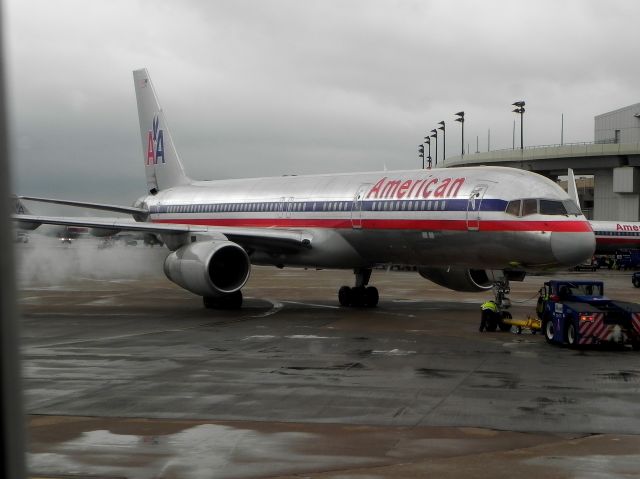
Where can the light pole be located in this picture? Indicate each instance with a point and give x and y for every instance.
(444, 141)
(421, 154)
(460, 118)
(435, 136)
(427, 141)
(520, 109)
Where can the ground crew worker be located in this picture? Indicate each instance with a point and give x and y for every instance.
(543, 297)
(490, 316)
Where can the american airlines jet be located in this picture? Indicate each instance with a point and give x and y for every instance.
(615, 235)
(611, 236)
(464, 228)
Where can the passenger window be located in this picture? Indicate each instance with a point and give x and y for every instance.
(529, 207)
(513, 208)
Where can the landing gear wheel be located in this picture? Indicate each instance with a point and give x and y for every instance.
(371, 297)
(228, 301)
(504, 326)
(361, 294)
(549, 330)
(344, 296)
(357, 296)
(571, 335)
(636, 282)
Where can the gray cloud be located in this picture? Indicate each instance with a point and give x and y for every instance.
(259, 88)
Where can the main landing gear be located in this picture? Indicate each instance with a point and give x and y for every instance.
(361, 294)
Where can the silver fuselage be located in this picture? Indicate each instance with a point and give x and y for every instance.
(612, 236)
(445, 217)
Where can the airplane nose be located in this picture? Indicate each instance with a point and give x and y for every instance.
(571, 249)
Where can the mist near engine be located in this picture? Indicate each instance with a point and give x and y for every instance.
(47, 261)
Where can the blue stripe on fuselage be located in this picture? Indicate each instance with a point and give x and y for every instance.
(332, 206)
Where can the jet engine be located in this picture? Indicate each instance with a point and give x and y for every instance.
(470, 280)
(209, 268)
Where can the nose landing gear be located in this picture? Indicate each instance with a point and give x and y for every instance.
(360, 295)
(501, 289)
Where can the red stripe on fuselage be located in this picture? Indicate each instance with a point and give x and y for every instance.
(387, 224)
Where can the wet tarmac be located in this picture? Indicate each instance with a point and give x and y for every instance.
(126, 375)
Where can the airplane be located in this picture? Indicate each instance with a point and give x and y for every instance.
(611, 236)
(467, 228)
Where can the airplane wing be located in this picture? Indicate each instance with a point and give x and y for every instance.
(269, 239)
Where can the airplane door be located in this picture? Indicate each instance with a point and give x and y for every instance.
(474, 207)
(356, 207)
(286, 205)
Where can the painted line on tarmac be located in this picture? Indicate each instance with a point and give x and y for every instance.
(329, 306)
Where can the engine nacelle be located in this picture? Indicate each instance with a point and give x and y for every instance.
(469, 280)
(209, 268)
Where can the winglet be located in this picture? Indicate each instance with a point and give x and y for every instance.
(572, 189)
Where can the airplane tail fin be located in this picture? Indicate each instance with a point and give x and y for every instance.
(572, 189)
(161, 162)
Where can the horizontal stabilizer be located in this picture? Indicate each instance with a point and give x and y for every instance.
(130, 210)
(109, 223)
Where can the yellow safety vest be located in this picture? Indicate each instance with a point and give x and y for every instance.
(490, 305)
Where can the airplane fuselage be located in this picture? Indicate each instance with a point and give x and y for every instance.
(615, 235)
(445, 217)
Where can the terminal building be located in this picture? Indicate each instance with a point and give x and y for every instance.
(618, 126)
(613, 159)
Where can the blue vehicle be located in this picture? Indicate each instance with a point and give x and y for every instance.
(577, 313)
(627, 259)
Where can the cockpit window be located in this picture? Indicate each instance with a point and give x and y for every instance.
(529, 206)
(571, 207)
(552, 207)
(513, 208)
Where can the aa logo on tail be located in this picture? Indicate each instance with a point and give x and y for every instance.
(155, 144)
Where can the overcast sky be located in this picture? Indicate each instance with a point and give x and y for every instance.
(262, 88)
